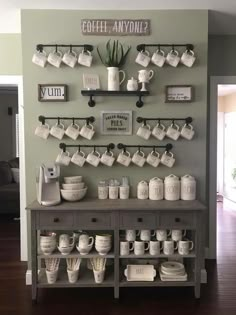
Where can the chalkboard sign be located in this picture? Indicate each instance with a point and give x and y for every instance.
(112, 27)
(116, 122)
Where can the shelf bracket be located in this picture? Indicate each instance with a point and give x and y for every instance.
(139, 103)
(91, 102)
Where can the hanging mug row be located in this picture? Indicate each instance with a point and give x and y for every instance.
(57, 57)
(124, 158)
(174, 131)
(58, 131)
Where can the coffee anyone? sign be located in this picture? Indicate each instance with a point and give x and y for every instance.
(116, 122)
(115, 27)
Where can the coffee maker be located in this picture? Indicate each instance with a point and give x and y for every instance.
(48, 186)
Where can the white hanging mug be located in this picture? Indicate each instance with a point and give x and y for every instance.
(143, 58)
(85, 58)
(144, 131)
(78, 158)
(173, 131)
(187, 132)
(168, 159)
(158, 58)
(107, 158)
(153, 158)
(159, 131)
(70, 58)
(124, 158)
(72, 131)
(40, 58)
(173, 58)
(139, 158)
(87, 131)
(63, 158)
(58, 131)
(93, 158)
(188, 58)
(42, 131)
(55, 58)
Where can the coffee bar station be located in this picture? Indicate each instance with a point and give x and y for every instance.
(106, 230)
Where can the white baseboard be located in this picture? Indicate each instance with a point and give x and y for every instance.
(203, 276)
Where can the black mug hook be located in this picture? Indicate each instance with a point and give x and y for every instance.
(58, 120)
(144, 122)
(79, 148)
(159, 47)
(70, 48)
(56, 48)
(154, 148)
(73, 120)
(173, 47)
(173, 121)
(139, 148)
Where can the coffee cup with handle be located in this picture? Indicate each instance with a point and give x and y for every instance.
(124, 158)
(40, 58)
(63, 158)
(70, 58)
(187, 132)
(107, 158)
(153, 158)
(42, 131)
(93, 158)
(173, 132)
(188, 58)
(72, 131)
(85, 58)
(144, 131)
(58, 130)
(158, 58)
(55, 58)
(185, 247)
(169, 247)
(87, 131)
(159, 131)
(140, 247)
(139, 158)
(168, 159)
(78, 158)
(143, 58)
(173, 58)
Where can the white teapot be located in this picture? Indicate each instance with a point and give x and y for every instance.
(132, 85)
(142, 190)
(145, 76)
(156, 189)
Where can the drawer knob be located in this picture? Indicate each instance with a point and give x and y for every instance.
(94, 220)
(140, 220)
(56, 220)
(177, 220)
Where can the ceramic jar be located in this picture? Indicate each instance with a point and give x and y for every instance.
(156, 189)
(142, 190)
(172, 188)
(132, 85)
(188, 187)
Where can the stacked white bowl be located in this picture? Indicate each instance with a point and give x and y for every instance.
(103, 243)
(73, 188)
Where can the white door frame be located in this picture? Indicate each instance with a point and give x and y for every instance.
(214, 82)
(17, 80)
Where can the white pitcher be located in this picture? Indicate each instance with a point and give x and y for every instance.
(142, 190)
(156, 189)
(172, 188)
(114, 79)
(188, 187)
(145, 75)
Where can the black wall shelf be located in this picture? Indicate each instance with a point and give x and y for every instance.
(92, 93)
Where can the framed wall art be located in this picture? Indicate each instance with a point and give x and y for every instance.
(116, 123)
(179, 94)
(52, 92)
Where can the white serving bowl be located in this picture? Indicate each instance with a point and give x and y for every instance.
(84, 250)
(73, 195)
(73, 179)
(77, 186)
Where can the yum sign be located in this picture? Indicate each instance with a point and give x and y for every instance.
(52, 92)
(115, 27)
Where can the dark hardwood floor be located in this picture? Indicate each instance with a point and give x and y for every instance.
(218, 297)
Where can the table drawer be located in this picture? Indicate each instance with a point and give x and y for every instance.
(183, 220)
(138, 220)
(54, 219)
(94, 220)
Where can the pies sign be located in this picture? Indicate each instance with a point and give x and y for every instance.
(116, 122)
(115, 27)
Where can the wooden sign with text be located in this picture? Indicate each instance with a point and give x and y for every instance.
(52, 92)
(115, 27)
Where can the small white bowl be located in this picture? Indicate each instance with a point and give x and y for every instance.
(65, 250)
(77, 186)
(73, 195)
(73, 179)
(84, 251)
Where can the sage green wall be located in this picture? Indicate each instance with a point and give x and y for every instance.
(51, 26)
(10, 54)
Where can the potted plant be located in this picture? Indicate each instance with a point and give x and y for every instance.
(115, 58)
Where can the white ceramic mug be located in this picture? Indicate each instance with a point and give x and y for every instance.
(168, 159)
(130, 235)
(173, 58)
(139, 158)
(185, 247)
(70, 58)
(173, 132)
(85, 58)
(159, 131)
(66, 240)
(143, 58)
(188, 58)
(153, 158)
(158, 58)
(107, 158)
(144, 131)
(113, 192)
(126, 247)
(78, 158)
(63, 158)
(140, 247)
(58, 131)
(93, 158)
(161, 235)
(155, 248)
(124, 158)
(169, 247)
(187, 132)
(85, 241)
(55, 58)
(87, 131)
(124, 192)
(42, 131)
(145, 235)
(177, 235)
(40, 58)
(72, 131)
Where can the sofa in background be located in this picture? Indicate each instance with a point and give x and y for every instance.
(9, 187)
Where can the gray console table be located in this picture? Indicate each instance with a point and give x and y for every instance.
(118, 215)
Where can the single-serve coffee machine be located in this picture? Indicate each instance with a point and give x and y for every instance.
(47, 183)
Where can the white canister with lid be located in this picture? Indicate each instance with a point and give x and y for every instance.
(172, 188)
(188, 187)
(142, 190)
(156, 189)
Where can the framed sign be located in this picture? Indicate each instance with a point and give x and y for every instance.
(91, 81)
(116, 123)
(52, 92)
(179, 93)
(115, 27)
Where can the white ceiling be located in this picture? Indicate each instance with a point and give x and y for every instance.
(226, 89)
(222, 19)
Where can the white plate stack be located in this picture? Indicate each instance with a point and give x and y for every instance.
(172, 271)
